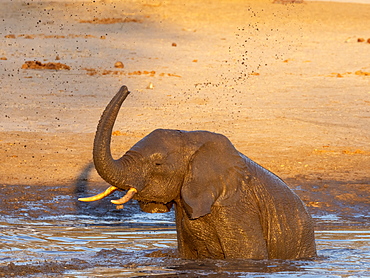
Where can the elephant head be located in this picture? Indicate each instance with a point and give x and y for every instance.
(162, 166)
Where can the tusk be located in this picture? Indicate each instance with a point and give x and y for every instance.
(132, 191)
(99, 196)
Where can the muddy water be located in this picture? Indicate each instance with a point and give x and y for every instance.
(59, 237)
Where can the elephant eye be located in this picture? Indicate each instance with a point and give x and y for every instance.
(158, 163)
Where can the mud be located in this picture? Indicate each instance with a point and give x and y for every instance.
(13, 270)
(47, 66)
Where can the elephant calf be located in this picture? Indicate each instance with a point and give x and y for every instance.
(226, 205)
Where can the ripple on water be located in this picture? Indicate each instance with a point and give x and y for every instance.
(89, 246)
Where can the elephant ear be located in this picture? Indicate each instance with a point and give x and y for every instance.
(213, 177)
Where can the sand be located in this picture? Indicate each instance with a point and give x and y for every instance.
(287, 83)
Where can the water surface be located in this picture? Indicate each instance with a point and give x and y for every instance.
(60, 237)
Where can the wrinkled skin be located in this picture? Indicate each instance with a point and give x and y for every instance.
(226, 205)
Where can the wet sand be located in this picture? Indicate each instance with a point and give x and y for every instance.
(288, 84)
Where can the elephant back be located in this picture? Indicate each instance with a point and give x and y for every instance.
(287, 226)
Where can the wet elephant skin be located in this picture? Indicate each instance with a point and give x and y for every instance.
(226, 205)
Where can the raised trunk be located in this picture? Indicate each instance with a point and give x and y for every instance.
(109, 169)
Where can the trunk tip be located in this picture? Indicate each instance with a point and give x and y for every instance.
(124, 89)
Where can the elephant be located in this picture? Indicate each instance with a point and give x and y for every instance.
(226, 205)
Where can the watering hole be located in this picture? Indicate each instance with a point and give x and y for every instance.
(47, 233)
